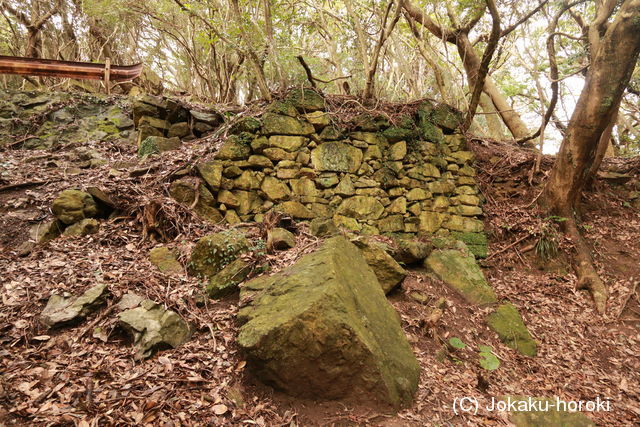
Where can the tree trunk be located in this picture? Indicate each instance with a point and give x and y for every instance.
(613, 61)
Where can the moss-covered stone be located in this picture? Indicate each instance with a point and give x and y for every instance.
(64, 310)
(46, 231)
(336, 157)
(82, 228)
(226, 281)
(234, 148)
(306, 100)
(274, 189)
(280, 239)
(389, 273)
(409, 251)
(544, 412)
(179, 130)
(246, 124)
(459, 270)
(321, 227)
(447, 117)
(295, 210)
(476, 242)
(323, 328)
(361, 207)
(72, 206)
(211, 173)
(212, 118)
(153, 328)
(214, 251)
(508, 324)
(276, 124)
(463, 224)
(184, 191)
(165, 260)
(391, 224)
(287, 142)
(158, 144)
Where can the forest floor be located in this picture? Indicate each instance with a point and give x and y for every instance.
(68, 376)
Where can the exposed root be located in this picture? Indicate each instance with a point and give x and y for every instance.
(588, 277)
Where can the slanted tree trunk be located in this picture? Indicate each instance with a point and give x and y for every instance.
(613, 58)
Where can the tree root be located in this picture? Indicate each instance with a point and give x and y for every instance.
(588, 277)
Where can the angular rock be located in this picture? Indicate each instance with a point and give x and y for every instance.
(211, 173)
(165, 259)
(336, 157)
(184, 191)
(321, 227)
(63, 310)
(287, 142)
(234, 148)
(398, 151)
(179, 130)
(153, 328)
(280, 239)
(275, 189)
(323, 328)
(211, 118)
(306, 100)
(82, 227)
(276, 124)
(74, 205)
(459, 270)
(226, 281)
(213, 252)
(361, 207)
(508, 324)
(295, 210)
(46, 231)
(410, 251)
(389, 273)
(158, 144)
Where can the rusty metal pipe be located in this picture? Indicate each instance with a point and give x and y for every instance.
(70, 69)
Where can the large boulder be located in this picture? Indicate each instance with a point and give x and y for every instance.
(323, 328)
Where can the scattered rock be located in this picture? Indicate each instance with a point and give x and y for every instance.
(389, 273)
(153, 328)
(46, 231)
(508, 324)
(280, 239)
(226, 281)
(72, 206)
(165, 259)
(82, 228)
(64, 310)
(215, 251)
(459, 270)
(548, 415)
(323, 328)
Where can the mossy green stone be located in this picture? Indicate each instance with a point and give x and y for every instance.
(361, 207)
(213, 252)
(508, 324)
(476, 242)
(306, 100)
(226, 281)
(336, 157)
(389, 273)
(276, 124)
(72, 206)
(323, 328)
(459, 270)
(548, 416)
(165, 259)
(234, 148)
(82, 228)
(211, 172)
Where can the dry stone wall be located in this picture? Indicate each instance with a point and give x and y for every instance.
(369, 176)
